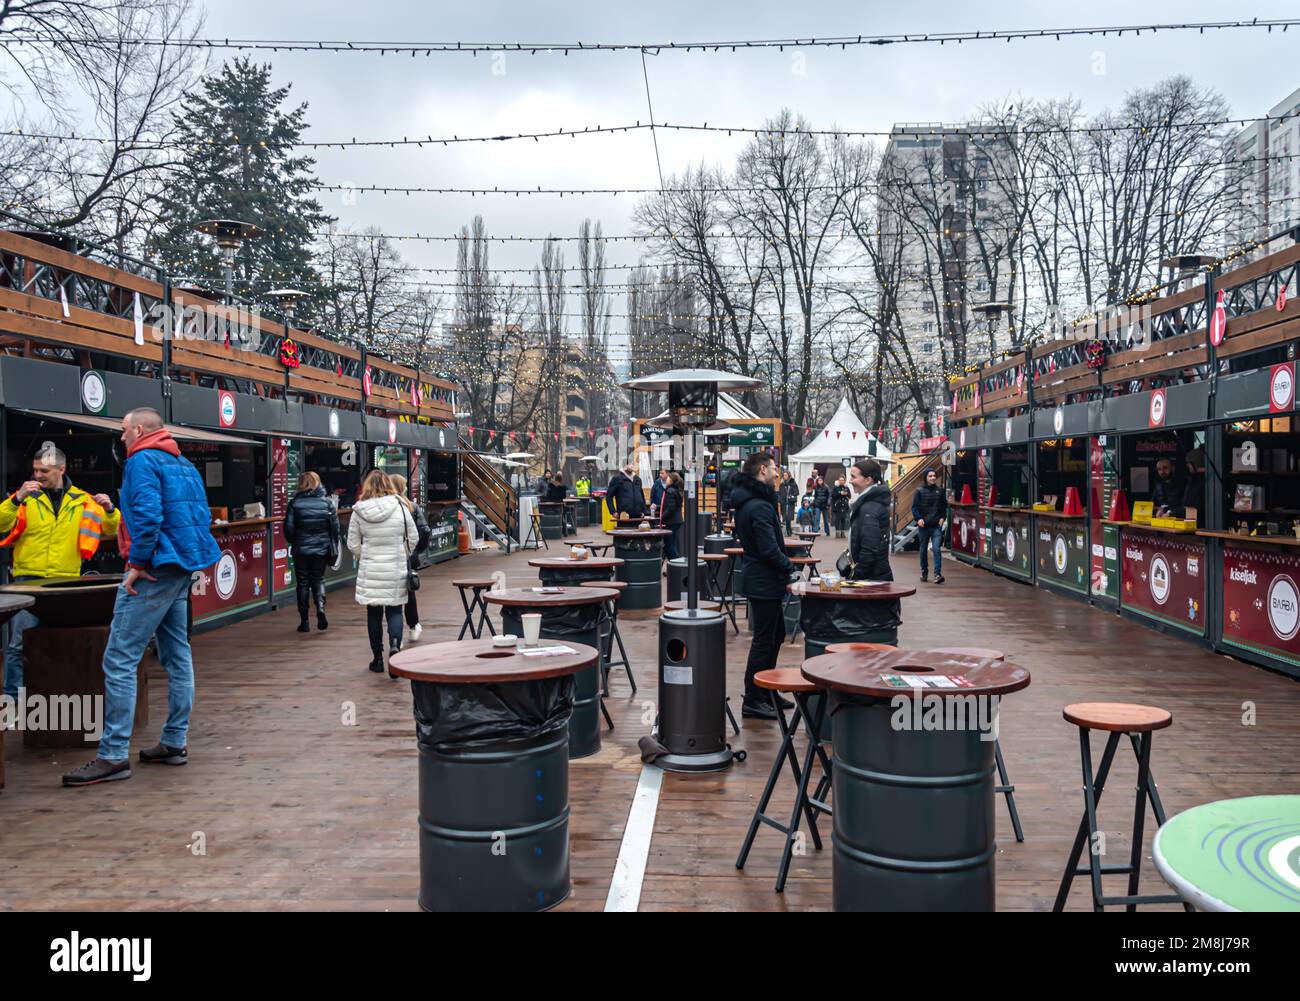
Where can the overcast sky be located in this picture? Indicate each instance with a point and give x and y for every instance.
(373, 97)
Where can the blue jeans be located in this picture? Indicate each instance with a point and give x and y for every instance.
(931, 536)
(825, 514)
(13, 669)
(158, 608)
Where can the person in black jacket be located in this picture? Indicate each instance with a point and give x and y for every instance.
(840, 497)
(670, 514)
(311, 526)
(788, 493)
(556, 490)
(767, 570)
(421, 544)
(1168, 492)
(822, 505)
(869, 544)
(930, 508)
(618, 494)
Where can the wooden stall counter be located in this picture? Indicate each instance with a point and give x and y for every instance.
(1289, 541)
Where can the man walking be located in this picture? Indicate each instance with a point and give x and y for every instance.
(165, 530)
(767, 572)
(52, 526)
(930, 508)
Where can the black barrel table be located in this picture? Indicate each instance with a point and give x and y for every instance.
(718, 544)
(10, 605)
(581, 510)
(914, 777)
(552, 513)
(678, 570)
(828, 615)
(565, 571)
(570, 615)
(641, 550)
(492, 726)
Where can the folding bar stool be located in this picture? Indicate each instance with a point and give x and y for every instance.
(610, 635)
(477, 585)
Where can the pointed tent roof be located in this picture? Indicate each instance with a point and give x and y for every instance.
(844, 436)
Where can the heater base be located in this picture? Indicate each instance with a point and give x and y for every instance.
(713, 761)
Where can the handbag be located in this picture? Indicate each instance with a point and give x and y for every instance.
(412, 578)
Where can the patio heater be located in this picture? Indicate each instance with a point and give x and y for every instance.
(229, 235)
(692, 643)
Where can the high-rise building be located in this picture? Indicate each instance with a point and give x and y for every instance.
(1264, 176)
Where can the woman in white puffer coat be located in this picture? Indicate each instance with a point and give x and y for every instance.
(382, 535)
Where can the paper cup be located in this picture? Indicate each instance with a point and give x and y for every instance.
(532, 627)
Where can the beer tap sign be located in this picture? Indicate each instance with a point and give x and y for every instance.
(692, 723)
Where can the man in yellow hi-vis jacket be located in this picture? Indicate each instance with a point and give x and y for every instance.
(52, 526)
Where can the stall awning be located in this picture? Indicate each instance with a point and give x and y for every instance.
(115, 424)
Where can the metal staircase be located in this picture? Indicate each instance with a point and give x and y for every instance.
(489, 501)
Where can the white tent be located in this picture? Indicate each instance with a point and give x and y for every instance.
(845, 437)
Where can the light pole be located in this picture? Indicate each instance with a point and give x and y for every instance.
(692, 723)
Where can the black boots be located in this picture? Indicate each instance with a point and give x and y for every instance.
(318, 594)
(303, 594)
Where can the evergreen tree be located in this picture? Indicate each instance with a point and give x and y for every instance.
(237, 162)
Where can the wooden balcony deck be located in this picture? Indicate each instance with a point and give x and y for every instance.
(302, 812)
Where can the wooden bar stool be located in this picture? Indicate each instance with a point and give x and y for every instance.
(535, 539)
(1005, 787)
(477, 585)
(610, 635)
(790, 679)
(736, 600)
(1139, 723)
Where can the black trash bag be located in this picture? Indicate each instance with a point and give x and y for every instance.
(850, 620)
(458, 716)
(558, 623)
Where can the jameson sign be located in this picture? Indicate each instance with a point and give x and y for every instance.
(759, 435)
(1163, 578)
(1261, 601)
(965, 531)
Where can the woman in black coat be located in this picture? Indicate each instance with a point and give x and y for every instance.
(869, 545)
(840, 496)
(671, 514)
(311, 526)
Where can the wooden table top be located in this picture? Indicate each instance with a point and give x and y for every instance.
(884, 674)
(478, 662)
(797, 543)
(523, 597)
(569, 563)
(885, 591)
(639, 533)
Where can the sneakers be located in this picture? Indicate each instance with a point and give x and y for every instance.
(97, 771)
(416, 630)
(757, 710)
(165, 754)
(925, 577)
(938, 578)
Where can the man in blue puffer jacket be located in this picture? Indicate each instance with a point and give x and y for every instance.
(166, 529)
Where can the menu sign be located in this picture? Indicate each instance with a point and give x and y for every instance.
(1011, 543)
(1261, 602)
(1163, 578)
(237, 581)
(281, 572)
(1062, 551)
(965, 532)
(1103, 479)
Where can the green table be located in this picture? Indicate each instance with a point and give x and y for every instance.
(1234, 855)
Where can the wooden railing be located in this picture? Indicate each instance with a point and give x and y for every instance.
(52, 301)
(1170, 341)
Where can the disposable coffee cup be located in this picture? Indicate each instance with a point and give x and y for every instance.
(532, 628)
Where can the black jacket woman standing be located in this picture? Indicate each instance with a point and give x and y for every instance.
(671, 514)
(869, 545)
(311, 527)
(840, 497)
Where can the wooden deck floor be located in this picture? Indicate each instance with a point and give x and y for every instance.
(299, 811)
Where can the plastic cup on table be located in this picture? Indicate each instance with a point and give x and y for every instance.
(532, 628)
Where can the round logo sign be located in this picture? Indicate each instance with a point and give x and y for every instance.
(1058, 420)
(965, 533)
(961, 439)
(334, 423)
(365, 382)
(392, 432)
(1011, 545)
(1007, 426)
(1218, 323)
(226, 574)
(1157, 415)
(1060, 554)
(94, 394)
(1281, 388)
(1159, 580)
(1284, 607)
(226, 409)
